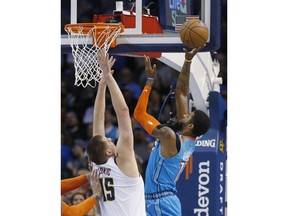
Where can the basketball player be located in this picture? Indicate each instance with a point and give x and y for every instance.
(84, 207)
(122, 184)
(175, 142)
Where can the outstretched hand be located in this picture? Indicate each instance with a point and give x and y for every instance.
(105, 63)
(151, 72)
(190, 54)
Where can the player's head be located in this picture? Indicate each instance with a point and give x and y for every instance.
(100, 148)
(194, 124)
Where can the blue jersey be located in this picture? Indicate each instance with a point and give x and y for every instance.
(162, 175)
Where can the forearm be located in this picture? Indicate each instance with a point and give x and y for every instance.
(184, 77)
(72, 183)
(182, 87)
(118, 100)
(182, 90)
(99, 110)
(79, 209)
(148, 122)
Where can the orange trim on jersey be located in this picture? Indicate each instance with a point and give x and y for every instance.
(189, 137)
(187, 171)
(191, 164)
(189, 168)
(148, 122)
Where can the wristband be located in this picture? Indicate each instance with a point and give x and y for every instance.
(96, 196)
(189, 61)
(150, 78)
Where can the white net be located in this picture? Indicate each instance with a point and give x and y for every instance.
(85, 46)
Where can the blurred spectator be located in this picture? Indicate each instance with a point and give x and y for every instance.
(88, 115)
(89, 133)
(155, 104)
(126, 82)
(80, 159)
(66, 162)
(131, 103)
(67, 159)
(77, 198)
(72, 125)
(166, 73)
(150, 145)
(85, 104)
(67, 100)
(140, 143)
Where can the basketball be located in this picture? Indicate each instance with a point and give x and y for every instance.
(194, 33)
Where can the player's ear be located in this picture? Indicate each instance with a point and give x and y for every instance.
(190, 126)
(109, 152)
(89, 164)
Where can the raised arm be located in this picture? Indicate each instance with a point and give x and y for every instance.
(125, 140)
(183, 83)
(148, 122)
(165, 134)
(99, 106)
(99, 110)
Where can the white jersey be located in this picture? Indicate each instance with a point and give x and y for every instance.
(122, 195)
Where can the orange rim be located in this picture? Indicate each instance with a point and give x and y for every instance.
(86, 27)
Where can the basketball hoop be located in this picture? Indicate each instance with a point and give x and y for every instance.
(86, 39)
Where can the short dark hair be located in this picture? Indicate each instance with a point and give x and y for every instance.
(96, 149)
(201, 123)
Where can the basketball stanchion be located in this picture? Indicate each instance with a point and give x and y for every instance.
(86, 39)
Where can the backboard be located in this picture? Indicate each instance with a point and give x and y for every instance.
(169, 12)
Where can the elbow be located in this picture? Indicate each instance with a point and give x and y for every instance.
(178, 89)
(125, 109)
(139, 117)
(136, 113)
(178, 92)
(181, 91)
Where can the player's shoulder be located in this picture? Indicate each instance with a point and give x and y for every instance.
(165, 134)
